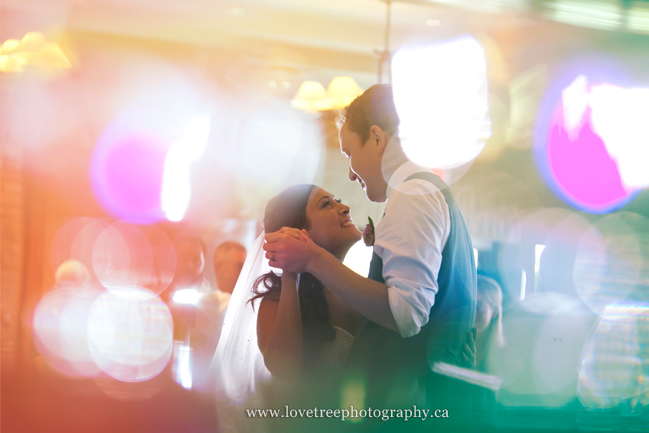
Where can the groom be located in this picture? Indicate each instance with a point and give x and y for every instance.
(419, 300)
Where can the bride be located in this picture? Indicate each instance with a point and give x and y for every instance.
(284, 327)
(304, 328)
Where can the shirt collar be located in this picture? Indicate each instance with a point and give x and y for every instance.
(404, 171)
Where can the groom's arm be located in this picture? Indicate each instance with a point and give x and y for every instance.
(368, 297)
(410, 239)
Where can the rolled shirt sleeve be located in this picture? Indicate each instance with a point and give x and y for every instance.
(409, 239)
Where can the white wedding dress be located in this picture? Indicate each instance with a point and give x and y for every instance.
(334, 353)
(242, 380)
(274, 394)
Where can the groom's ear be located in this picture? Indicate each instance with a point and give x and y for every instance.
(378, 137)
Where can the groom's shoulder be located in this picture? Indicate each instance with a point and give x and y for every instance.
(418, 188)
(417, 197)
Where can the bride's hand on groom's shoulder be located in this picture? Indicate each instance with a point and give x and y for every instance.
(289, 249)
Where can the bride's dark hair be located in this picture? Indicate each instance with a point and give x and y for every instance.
(288, 209)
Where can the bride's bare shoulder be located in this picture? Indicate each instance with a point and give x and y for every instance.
(267, 306)
(266, 321)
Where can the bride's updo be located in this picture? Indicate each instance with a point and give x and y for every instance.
(288, 209)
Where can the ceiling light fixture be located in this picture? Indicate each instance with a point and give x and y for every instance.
(342, 91)
(32, 50)
(312, 97)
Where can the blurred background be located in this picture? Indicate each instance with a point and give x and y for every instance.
(138, 136)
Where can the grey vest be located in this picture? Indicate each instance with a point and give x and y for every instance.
(389, 362)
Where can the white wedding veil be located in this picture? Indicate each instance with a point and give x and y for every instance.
(238, 363)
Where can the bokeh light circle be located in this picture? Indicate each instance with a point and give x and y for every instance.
(440, 93)
(127, 172)
(578, 159)
(517, 330)
(611, 370)
(358, 258)
(127, 255)
(132, 178)
(612, 260)
(61, 247)
(504, 362)
(60, 326)
(545, 244)
(130, 333)
(547, 335)
(75, 240)
(557, 261)
(279, 147)
(557, 349)
(494, 204)
(130, 391)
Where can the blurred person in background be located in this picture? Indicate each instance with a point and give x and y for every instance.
(72, 272)
(190, 266)
(210, 310)
(229, 258)
(183, 296)
(488, 320)
(198, 307)
(491, 356)
(187, 284)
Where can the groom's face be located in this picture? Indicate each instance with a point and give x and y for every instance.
(365, 161)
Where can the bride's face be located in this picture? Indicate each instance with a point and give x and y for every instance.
(329, 223)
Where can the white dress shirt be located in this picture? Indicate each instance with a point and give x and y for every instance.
(409, 239)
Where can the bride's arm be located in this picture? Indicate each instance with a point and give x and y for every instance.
(279, 331)
(368, 297)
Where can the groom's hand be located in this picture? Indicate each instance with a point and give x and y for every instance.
(468, 352)
(290, 250)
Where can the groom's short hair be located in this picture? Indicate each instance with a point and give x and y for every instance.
(374, 107)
